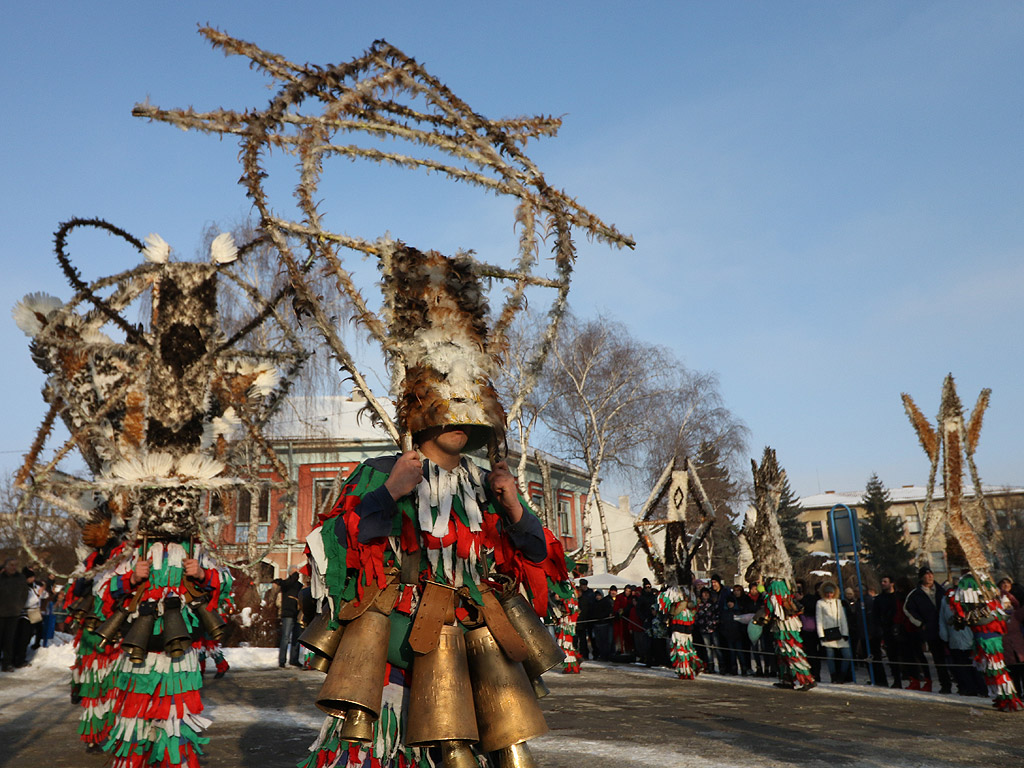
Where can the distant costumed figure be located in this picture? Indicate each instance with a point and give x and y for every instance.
(566, 612)
(966, 528)
(682, 613)
(155, 416)
(985, 611)
(92, 679)
(208, 647)
(762, 546)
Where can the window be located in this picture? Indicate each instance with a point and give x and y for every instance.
(937, 561)
(815, 531)
(912, 523)
(244, 514)
(322, 501)
(564, 511)
(537, 502)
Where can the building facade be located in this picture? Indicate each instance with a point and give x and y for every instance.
(907, 505)
(321, 449)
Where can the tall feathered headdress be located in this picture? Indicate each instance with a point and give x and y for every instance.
(156, 412)
(761, 531)
(436, 315)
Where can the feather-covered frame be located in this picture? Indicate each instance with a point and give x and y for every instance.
(162, 416)
(365, 96)
(966, 527)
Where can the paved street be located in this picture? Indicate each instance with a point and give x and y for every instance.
(627, 716)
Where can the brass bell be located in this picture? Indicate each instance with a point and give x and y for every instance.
(136, 639)
(356, 674)
(358, 725)
(440, 694)
(544, 651)
(317, 662)
(514, 756)
(457, 754)
(176, 637)
(507, 712)
(91, 621)
(321, 639)
(213, 624)
(540, 688)
(110, 629)
(81, 607)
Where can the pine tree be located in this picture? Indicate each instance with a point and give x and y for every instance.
(881, 534)
(794, 532)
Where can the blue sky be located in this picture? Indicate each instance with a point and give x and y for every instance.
(826, 197)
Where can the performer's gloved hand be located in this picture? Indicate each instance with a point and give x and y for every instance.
(405, 475)
(505, 491)
(140, 572)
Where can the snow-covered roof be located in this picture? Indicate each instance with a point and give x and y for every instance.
(905, 494)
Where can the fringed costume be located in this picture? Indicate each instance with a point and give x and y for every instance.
(682, 617)
(981, 608)
(785, 627)
(158, 720)
(206, 646)
(565, 631)
(364, 539)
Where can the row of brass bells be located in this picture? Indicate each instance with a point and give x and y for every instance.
(543, 651)
(441, 710)
(176, 637)
(354, 686)
(321, 640)
(136, 639)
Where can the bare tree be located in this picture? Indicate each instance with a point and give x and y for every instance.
(52, 532)
(620, 406)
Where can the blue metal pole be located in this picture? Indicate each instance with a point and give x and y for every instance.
(860, 583)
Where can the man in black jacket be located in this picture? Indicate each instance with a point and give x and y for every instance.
(13, 594)
(290, 589)
(922, 610)
(585, 626)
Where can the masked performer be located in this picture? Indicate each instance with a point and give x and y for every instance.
(153, 415)
(421, 559)
(982, 608)
(682, 613)
(565, 612)
(762, 545)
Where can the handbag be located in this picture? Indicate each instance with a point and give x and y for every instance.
(833, 633)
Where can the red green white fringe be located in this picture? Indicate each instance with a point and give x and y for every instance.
(789, 650)
(565, 634)
(386, 750)
(92, 676)
(968, 600)
(158, 705)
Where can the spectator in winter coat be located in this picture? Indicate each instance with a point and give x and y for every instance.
(1013, 642)
(833, 632)
(603, 644)
(13, 594)
(584, 626)
(288, 649)
(708, 618)
(922, 611)
(885, 609)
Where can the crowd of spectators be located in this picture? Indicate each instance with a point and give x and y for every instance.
(28, 608)
(911, 640)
